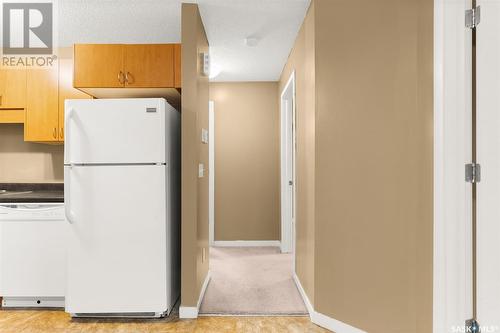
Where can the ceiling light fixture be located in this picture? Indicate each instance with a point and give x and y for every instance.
(214, 71)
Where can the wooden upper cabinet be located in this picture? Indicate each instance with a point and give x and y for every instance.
(12, 88)
(98, 66)
(42, 114)
(126, 65)
(66, 91)
(177, 65)
(149, 65)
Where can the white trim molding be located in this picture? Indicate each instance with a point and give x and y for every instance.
(188, 312)
(452, 290)
(211, 172)
(191, 312)
(302, 292)
(245, 243)
(321, 319)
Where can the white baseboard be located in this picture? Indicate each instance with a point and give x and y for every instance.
(302, 292)
(322, 320)
(191, 312)
(245, 243)
(188, 312)
(333, 324)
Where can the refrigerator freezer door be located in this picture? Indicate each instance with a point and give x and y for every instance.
(115, 131)
(117, 241)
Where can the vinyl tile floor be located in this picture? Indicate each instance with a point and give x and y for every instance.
(49, 321)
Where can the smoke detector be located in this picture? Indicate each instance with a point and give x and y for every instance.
(251, 41)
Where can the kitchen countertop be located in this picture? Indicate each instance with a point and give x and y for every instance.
(31, 192)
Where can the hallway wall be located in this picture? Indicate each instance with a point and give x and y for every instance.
(364, 73)
(195, 92)
(374, 164)
(247, 165)
(302, 61)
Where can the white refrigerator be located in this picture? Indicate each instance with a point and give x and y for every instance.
(122, 204)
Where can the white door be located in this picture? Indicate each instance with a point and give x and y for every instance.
(117, 253)
(115, 131)
(288, 166)
(488, 150)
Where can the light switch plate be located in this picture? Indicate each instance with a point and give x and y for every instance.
(205, 61)
(204, 136)
(201, 170)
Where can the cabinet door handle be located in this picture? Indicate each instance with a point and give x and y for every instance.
(129, 78)
(54, 133)
(61, 133)
(121, 79)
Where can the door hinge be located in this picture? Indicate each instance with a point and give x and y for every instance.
(473, 173)
(472, 17)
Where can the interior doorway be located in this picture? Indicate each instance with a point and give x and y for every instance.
(251, 275)
(287, 133)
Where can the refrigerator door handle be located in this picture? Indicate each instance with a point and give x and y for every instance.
(68, 135)
(70, 216)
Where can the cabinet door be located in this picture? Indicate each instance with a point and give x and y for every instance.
(149, 65)
(98, 66)
(66, 91)
(41, 124)
(177, 65)
(12, 88)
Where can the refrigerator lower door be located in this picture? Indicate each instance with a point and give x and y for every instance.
(117, 258)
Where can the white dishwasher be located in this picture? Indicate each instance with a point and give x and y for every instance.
(32, 254)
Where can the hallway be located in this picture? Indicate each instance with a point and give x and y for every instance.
(251, 281)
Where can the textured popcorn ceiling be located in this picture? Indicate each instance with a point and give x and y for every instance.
(275, 24)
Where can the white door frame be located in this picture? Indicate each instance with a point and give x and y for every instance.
(288, 207)
(211, 173)
(488, 148)
(452, 150)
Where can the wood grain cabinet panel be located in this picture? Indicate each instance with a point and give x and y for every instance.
(12, 88)
(42, 105)
(127, 66)
(98, 66)
(149, 65)
(66, 91)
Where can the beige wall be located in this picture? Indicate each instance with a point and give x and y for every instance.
(247, 181)
(28, 162)
(302, 61)
(425, 218)
(373, 164)
(195, 92)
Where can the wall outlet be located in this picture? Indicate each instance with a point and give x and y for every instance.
(201, 170)
(204, 136)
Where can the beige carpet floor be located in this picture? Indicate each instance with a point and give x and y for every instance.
(251, 281)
